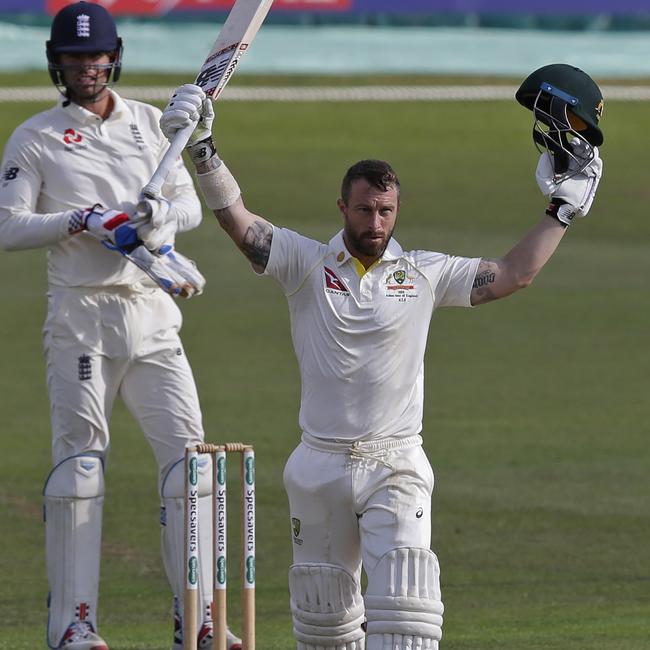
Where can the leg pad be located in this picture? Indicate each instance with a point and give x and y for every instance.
(403, 601)
(327, 608)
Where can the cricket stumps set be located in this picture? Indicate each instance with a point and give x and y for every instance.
(219, 542)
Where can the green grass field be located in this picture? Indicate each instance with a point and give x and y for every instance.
(536, 420)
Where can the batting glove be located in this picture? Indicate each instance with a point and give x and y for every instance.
(172, 272)
(572, 197)
(189, 105)
(156, 222)
(112, 227)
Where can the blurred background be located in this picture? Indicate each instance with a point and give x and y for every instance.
(475, 37)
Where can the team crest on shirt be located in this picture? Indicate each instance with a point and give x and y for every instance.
(295, 527)
(400, 284)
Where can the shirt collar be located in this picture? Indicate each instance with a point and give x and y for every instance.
(85, 117)
(342, 254)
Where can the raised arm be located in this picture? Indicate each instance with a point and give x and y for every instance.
(497, 278)
(251, 233)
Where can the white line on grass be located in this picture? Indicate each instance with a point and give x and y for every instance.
(329, 93)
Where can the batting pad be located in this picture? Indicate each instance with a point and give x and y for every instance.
(403, 601)
(74, 498)
(327, 608)
(172, 519)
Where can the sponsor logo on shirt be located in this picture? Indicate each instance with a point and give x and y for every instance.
(333, 284)
(9, 174)
(73, 140)
(399, 284)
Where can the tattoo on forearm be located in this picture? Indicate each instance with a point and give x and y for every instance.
(482, 286)
(256, 244)
(483, 279)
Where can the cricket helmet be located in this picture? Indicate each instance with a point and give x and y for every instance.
(566, 103)
(83, 27)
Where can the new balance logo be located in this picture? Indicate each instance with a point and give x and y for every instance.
(332, 282)
(10, 173)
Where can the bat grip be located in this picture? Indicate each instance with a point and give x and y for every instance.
(153, 187)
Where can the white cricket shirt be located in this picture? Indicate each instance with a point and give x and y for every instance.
(360, 340)
(68, 158)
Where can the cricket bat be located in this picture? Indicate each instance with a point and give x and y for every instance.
(239, 30)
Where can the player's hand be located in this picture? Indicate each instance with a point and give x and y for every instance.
(188, 105)
(156, 222)
(573, 196)
(110, 226)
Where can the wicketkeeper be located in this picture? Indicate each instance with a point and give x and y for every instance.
(359, 483)
(71, 182)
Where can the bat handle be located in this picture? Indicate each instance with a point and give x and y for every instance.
(153, 187)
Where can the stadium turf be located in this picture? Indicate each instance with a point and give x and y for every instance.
(536, 419)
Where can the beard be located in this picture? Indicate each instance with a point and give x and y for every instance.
(90, 89)
(367, 243)
(88, 93)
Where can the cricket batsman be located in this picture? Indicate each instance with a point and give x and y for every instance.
(71, 181)
(359, 483)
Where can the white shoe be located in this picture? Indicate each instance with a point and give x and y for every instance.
(206, 633)
(233, 642)
(205, 639)
(82, 636)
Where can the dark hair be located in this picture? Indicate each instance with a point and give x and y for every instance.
(377, 173)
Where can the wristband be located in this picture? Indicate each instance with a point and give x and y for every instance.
(219, 187)
(75, 221)
(202, 151)
(562, 211)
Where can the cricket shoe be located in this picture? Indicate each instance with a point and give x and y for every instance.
(206, 633)
(82, 636)
(205, 638)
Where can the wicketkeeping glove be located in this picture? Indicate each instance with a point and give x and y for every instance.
(572, 197)
(189, 105)
(107, 225)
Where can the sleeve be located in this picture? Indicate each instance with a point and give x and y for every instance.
(456, 286)
(451, 277)
(20, 186)
(292, 258)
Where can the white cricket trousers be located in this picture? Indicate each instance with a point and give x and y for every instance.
(352, 504)
(118, 340)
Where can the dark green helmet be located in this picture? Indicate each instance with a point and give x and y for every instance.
(579, 92)
(567, 104)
